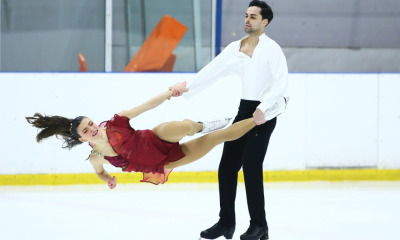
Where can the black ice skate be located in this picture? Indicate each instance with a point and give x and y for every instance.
(217, 231)
(255, 233)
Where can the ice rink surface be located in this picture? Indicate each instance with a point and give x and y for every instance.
(295, 211)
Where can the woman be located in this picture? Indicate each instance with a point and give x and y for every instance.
(154, 152)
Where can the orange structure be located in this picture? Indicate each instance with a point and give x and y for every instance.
(169, 64)
(155, 55)
(82, 63)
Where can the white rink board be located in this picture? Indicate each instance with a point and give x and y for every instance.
(342, 120)
(307, 134)
(389, 121)
(287, 149)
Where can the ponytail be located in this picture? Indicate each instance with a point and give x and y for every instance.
(59, 126)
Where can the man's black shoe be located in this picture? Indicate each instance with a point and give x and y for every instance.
(217, 231)
(255, 233)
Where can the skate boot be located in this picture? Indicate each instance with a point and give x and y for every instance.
(217, 231)
(278, 108)
(255, 233)
(214, 124)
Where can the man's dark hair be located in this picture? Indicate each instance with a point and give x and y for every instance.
(266, 11)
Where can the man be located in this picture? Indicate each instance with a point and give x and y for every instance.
(262, 67)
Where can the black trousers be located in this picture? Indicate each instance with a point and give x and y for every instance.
(248, 151)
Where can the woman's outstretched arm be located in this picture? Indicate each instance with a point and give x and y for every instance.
(154, 102)
(97, 163)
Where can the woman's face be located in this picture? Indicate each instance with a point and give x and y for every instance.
(89, 131)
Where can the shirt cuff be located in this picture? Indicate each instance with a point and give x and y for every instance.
(263, 106)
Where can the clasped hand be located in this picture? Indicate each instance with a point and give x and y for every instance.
(178, 89)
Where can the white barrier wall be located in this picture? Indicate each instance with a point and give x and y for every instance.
(333, 120)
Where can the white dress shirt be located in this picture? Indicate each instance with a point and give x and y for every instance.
(264, 75)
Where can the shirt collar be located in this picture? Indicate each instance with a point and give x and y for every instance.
(260, 38)
(263, 37)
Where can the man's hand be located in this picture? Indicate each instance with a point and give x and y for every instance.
(112, 183)
(259, 117)
(178, 89)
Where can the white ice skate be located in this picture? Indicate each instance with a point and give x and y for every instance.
(215, 124)
(278, 108)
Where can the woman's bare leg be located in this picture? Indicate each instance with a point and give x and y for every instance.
(197, 148)
(174, 131)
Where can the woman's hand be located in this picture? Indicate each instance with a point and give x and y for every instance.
(175, 93)
(178, 89)
(112, 183)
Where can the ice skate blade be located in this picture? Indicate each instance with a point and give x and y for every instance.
(210, 239)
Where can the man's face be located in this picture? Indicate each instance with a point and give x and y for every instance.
(253, 20)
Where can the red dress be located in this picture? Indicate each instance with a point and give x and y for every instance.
(140, 150)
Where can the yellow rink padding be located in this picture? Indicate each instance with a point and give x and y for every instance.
(205, 177)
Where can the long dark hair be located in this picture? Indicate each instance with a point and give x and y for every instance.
(59, 126)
